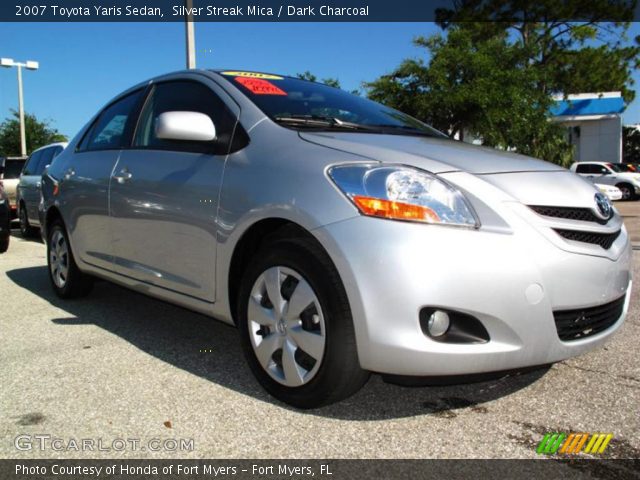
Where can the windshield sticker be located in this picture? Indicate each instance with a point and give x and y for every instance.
(260, 86)
(265, 76)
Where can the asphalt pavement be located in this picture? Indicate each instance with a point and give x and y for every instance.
(120, 367)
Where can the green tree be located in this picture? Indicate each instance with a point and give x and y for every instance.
(38, 134)
(573, 45)
(495, 80)
(631, 144)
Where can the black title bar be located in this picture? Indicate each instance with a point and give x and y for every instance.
(299, 10)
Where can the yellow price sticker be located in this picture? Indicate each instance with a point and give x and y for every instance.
(264, 76)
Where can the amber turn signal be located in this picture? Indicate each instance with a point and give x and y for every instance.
(377, 207)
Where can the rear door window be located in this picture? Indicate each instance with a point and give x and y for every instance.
(13, 168)
(45, 159)
(32, 163)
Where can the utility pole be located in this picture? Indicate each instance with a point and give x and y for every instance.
(29, 65)
(190, 35)
(23, 135)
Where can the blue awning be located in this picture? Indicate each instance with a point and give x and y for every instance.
(589, 106)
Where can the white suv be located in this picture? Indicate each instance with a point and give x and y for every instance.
(616, 174)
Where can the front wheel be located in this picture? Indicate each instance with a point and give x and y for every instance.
(66, 278)
(296, 325)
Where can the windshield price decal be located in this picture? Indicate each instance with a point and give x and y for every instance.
(260, 86)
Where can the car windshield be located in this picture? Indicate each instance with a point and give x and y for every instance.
(621, 167)
(12, 168)
(297, 103)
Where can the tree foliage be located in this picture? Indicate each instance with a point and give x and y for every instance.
(631, 144)
(307, 75)
(38, 133)
(496, 80)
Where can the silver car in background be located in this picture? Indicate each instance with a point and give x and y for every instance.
(340, 236)
(28, 189)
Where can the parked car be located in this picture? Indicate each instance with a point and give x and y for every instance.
(613, 193)
(342, 237)
(618, 175)
(5, 221)
(10, 178)
(28, 191)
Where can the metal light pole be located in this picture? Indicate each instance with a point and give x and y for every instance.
(29, 65)
(190, 35)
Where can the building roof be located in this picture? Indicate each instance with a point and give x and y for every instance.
(589, 104)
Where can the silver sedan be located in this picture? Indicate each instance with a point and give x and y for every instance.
(340, 236)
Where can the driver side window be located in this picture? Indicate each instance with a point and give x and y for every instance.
(185, 96)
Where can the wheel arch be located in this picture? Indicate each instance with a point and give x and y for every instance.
(52, 214)
(250, 242)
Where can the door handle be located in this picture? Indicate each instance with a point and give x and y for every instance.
(123, 176)
(69, 173)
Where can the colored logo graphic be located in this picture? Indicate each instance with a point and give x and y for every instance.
(594, 443)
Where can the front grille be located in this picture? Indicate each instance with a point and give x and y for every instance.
(584, 322)
(570, 213)
(605, 240)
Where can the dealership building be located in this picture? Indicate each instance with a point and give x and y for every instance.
(594, 125)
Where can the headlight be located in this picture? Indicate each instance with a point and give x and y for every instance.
(403, 193)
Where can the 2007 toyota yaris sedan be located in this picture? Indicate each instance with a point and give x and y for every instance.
(341, 237)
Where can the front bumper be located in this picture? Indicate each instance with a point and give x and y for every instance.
(512, 281)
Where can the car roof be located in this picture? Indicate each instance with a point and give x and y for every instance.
(55, 144)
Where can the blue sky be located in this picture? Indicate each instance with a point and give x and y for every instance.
(83, 65)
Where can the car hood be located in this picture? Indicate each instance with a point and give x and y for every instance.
(629, 175)
(437, 155)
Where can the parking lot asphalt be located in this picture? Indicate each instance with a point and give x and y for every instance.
(120, 366)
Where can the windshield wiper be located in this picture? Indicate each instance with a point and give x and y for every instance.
(322, 121)
(405, 129)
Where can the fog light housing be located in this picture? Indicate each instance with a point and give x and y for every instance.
(449, 326)
(438, 323)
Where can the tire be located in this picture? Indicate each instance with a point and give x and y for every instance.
(4, 244)
(66, 279)
(628, 192)
(26, 230)
(326, 374)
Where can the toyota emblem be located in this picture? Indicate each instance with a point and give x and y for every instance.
(603, 206)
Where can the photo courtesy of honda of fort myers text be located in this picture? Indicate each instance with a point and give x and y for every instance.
(331, 239)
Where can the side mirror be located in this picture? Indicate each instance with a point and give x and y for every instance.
(190, 126)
